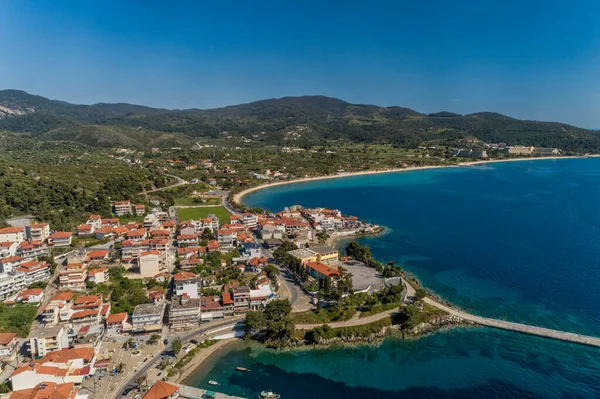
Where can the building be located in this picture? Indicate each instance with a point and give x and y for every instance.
(122, 208)
(471, 154)
(163, 390)
(49, 390)
(59, 367)
(319, 270)
(184, 313)
(118, 323)
(98, 276)
(89, 309)
(241, 299)
(35, 271)
(37, 231)
(304, 255)
(97, 255)
(84, 230)
(10, 263)
(249, 220)
(545, 151)
(149, 263)
(32, 249)
(151, 221)
(8, 248)
(259, 298)
(30, 296)
(47, 339)
(8, 346)
(520, 150)
(13, 234)
(227, 237)
(325, 254)
(137, 235)
(60, 308)
(148, 317)
(251, 250)
(140, 210)
(60, 239)
(186, 284)
(73, 277)
(10, 283)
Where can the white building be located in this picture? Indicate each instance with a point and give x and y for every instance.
(149, 263)
(14, 234)
(37, 231)
(186, 284)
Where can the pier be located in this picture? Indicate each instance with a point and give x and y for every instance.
(518, 327)
(197, 393)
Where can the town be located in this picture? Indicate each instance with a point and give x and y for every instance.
(152, 290)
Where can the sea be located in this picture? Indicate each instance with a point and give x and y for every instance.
(518, 241)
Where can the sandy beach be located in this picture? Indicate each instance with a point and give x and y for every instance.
(239, 196)
(201, 357)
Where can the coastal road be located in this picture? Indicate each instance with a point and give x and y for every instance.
(185, 338)
(299, 300)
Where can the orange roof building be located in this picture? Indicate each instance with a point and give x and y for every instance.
(161, 390)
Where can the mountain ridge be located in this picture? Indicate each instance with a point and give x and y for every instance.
(277, 121)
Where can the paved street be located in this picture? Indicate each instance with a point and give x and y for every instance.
(154, 359)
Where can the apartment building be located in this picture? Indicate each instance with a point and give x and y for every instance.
(184, 313)
(35, 271)
(122, 208)
(13, 234)
(148, 317)
(186, 284)
(37, 231)
(73, 277)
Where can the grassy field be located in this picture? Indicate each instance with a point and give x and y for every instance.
(194, 201)
(202, 212)
(379, 308)
(323, 316)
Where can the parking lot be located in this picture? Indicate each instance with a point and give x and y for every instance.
(363, 278)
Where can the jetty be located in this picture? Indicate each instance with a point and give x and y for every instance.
(518, 327)
(408, 296)
(188, 392)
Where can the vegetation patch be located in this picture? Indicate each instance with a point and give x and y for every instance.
(203, 212)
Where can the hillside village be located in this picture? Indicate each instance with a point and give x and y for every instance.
(146, 282)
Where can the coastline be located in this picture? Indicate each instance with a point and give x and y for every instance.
(239, 196)
(201, 357)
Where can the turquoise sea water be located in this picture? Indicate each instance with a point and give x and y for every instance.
(516, 240)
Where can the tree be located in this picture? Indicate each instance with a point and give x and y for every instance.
(277, 309)
(407, 317)
(154, 339)
(177, 345)
(255, 321)
(420, 293)
(272, 272)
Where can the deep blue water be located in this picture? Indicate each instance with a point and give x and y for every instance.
(516, 240)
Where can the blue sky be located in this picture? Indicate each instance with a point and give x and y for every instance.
(529, 59)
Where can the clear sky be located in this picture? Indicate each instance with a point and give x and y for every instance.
(530, 59)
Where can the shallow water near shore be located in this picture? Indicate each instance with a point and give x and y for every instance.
(518, 241)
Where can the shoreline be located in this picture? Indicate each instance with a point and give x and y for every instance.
(201, 357)
(239, 196)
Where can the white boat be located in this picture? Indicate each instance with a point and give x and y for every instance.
(211, 382)
(268, 395)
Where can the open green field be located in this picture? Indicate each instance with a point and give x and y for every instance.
(202, 212)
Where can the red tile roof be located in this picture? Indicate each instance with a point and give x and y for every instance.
(183, 276)
(116, 318)
(6, 338)
(161, 390)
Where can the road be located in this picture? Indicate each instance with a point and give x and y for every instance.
(180, 182)
(185, 337)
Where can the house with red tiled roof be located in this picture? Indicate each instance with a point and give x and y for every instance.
(213, 246)
(60, 239)
(118, 322)
(85, 230)
(47, 390)
(32, 249)
(105, 232)
(140, 209)
(186, 283)
(98, 275)
(8, 346)
(122, 208)
(319, 270)
(162, 390)
(59, 367)
(30, 296)
(137, 235)
(37, 231)
(8, 248)
(73, 277)
(97, 255)
(35, 271)
(14, 234)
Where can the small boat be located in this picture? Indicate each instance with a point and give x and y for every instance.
(212, 382)
(240, 368)
(268, 395)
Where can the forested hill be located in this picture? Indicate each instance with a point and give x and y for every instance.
(302, 121)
